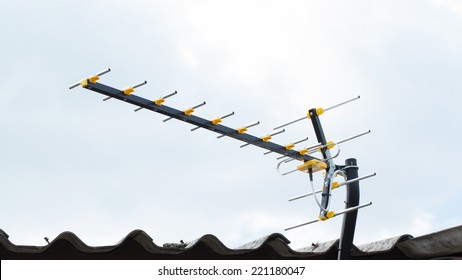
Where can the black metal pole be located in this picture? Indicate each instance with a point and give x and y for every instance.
(349, 220)
(325, 197)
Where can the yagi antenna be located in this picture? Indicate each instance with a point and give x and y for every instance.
(287, 153)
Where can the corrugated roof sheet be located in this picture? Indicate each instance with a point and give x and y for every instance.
(139, 245)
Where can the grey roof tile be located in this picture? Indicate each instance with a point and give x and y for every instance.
(139, 245)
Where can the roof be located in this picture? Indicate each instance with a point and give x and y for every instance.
(138, 245)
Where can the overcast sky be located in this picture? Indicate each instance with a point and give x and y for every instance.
(70, 162)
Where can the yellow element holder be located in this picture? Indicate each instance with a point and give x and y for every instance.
(159, 101)
(241, 130)
(216, 121)
(334, 185)
(314, 164)
(266, 138)
(289, 146)
(188, 111)
(92, 79)
(303, 151)
(319, 111)
(128, 91)
(329, 145)
(329, 215)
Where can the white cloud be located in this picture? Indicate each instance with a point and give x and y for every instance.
(453, 5)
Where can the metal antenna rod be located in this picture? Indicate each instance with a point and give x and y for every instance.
(129, 90)
(353, 137)
(169, 95)
(291, 144)
(342, 103)
(286, 124)
(310, 151)
(242, 129)
(215, 121)
(139, 84)
(160, 100)
(95, 76)
(188, 111)
(339, 185)
(336, 214)
(307, 148)
(252, 124)
(266, 138)
(324, 110)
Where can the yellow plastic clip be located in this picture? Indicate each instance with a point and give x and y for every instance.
(159, 101)
(92, 79)
(241, 130)
(289, 146)
(188, 111)
(319, 111)
(303, 151)
(329, 215)
(314, 164)
(216, 121)
(266, 138)
(329, 145)
(334, 185)
(128, 91)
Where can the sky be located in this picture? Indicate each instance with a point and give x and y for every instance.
(71, 162)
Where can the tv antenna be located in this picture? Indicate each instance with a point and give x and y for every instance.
(287, 152)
